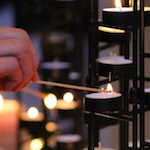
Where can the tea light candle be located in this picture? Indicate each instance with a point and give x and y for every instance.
(34, 144)
(9, 123)
(63, 105)
(101, 102)
(114, 60)
(68, 141)
(117, 65)
(110, 30)
(33, 115)
(122, 16)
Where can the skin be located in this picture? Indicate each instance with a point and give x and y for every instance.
(18, 59)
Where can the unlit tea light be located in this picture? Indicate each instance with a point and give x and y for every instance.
(115, 60)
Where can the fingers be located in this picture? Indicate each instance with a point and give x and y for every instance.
(15, 43)
(16, 33)
(10, 73)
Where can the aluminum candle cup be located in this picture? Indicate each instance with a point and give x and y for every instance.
(118, 66)
(68, 142)
(122, 17)
(107, 34)
(32, 124)
(103, 102)
(147, 96)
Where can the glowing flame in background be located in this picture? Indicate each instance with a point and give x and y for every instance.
(50, 101)
(32, 112)
(68, 97)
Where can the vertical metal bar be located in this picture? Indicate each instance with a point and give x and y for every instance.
(91, 131)
(142, 102)
(125, 88)
(135, 72)
(93, 54)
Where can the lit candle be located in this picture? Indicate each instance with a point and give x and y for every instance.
(63, 105)
(67, 103)
(110, 30)
(34, 144)
(32, 115)
(122, 16)
(103, 101)
(50, 101)
(9, 123)
(108, 34)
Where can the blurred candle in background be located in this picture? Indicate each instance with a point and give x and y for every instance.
(9, 123)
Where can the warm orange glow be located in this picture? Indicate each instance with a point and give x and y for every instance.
(37, 144)
(1, 101)
(32, 112)
(51, 126)
(109, 87)
(131, 2)
(118, 4)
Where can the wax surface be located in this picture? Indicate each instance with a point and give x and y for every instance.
(63, 105)
(24, 116)
(123, 9)
(110, 30)
(9, 123)
(55, 65)
(118, 60)
(69, 138)
(147, 90)
(103, 95)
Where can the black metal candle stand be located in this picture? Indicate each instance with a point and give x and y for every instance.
(124, 19)
(102, 104)
(101, 121)
(120, 70)
(147, 99)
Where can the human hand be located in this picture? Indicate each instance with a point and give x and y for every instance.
(18, 59)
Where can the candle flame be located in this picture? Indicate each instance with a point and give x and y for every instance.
(32, 112)
(109, 87)
(118, 4)
(131, 2)
(68, 97)
(50, 101)
(37, 144)
(1, 101)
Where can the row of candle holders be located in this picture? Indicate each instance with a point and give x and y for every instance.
(115, 28)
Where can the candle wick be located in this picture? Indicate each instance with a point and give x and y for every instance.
(109, 78)
(120, 8)
(99, 145)
(115, 57)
